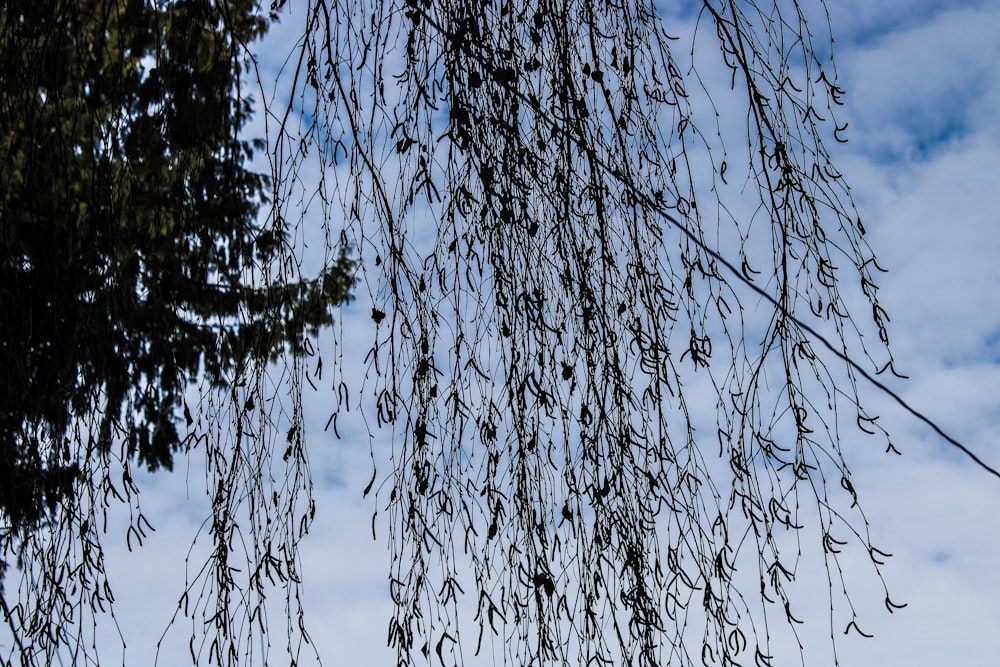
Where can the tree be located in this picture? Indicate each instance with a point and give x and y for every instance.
(540, 193)
(133, 267)
(543, 191)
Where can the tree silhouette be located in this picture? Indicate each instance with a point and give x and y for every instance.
(600, 429)
(134, 278)
(614, 433)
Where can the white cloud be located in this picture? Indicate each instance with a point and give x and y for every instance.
(923, 162)
(914, 89)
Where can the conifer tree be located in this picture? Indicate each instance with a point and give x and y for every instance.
(139, 272)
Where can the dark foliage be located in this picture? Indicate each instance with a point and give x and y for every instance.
(133, 265)
(128, 232)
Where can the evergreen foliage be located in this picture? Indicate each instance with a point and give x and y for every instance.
(130, 246)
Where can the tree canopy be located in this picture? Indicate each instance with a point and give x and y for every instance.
(614, 430)
(134, 263)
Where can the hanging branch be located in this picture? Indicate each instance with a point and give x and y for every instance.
(596, 434)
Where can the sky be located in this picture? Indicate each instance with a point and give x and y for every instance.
(922, 81)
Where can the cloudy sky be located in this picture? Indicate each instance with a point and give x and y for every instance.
(923, 93)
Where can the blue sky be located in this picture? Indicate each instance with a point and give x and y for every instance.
(923, 85)
(923, 90)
